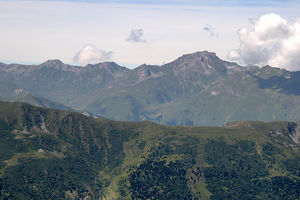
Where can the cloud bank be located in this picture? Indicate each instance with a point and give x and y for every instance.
(136, 35)
(90, 54)
(272, 40)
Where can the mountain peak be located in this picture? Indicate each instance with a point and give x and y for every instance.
(201, 57)
(54, 62)
(199, 63)
(202, 54)
(100, 64)
(108, 66)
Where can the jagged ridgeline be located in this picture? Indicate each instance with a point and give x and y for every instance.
(195, 89)
(52, 154)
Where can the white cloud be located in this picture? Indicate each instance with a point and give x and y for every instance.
(90, 54)
(272, 40)
(211, 30)
(136, 35)
(170, 30)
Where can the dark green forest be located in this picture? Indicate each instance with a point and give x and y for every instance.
(51, 154)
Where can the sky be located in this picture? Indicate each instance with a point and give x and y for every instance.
(131, 32)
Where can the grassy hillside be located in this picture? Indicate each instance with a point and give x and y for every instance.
(51, 154)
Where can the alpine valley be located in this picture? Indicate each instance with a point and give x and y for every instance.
(53, 154)
(195, 89)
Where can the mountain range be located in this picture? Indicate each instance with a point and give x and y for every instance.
(52, 154)
(195, 89)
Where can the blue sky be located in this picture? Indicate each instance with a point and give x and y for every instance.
(219, 3)
(190, 2)
(33, 31)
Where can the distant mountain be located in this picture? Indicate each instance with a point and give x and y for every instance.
(26, 97)
(195, 89)
(51, 154)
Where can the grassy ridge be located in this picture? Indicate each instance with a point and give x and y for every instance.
(51, 154)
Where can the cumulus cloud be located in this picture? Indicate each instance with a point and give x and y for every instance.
(136, 35)
(211, 30)
(90, 54)
(272, 40)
